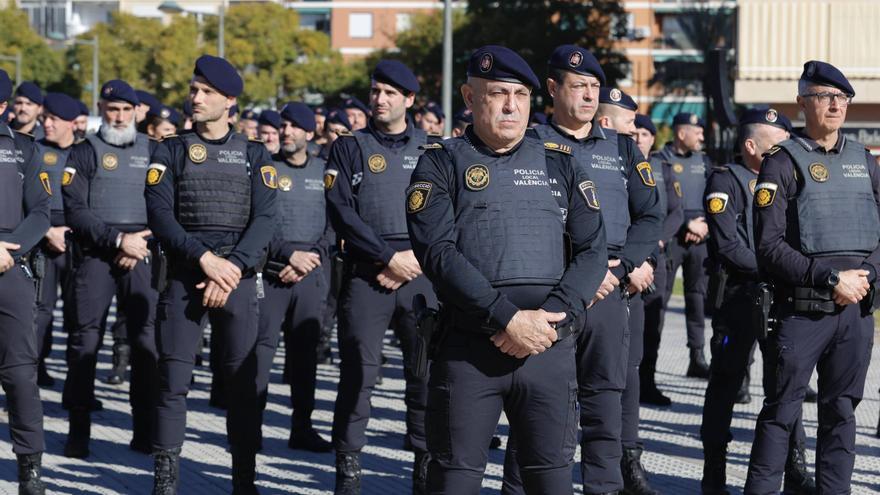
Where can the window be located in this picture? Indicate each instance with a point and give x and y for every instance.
(627, 79)
(360, 25)
(404, 21)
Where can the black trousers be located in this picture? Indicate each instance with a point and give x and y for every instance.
(57, 275)
(693, 260)
(629, 434)
(654, 316)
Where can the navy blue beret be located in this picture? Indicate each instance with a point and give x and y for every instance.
(61, 106)
(338, 116)
(353, 102)
(220, 74)
(83, 109)
(433, 107)
(539, 118)
(768, 116)
(464, 115)
(5, 86)
(397, 74)
(270, 118)
(825, 74)
(164, 112)
(576, 59)
(147, 99)
(614, 96)
(118, 90)
(499, 63)
(30, 91)
(644, 122)
(300, 115)
(188, 108)
(320, 110)
(686, 118)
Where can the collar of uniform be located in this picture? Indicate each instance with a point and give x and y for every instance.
(390, 138)
(673, 152)
(596, 132)
(46, 142)
(283, 159)
(471, 137)
(222, 140)
(5, 130)
(800, 136)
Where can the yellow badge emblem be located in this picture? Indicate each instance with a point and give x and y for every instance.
(676, 186)
(330, 178)
(285, 183)
(818, 172)
(646, 174)
(417, 196)
(155, 173)
(270, 177)
(476, 177)
(752, 185)
(198, 153)
(44, 180)
(716, 202)
(588, 191)
(109, 161)
(678, 168)
(377, 163)
(50, 158)
(765, 193)
(67, 178)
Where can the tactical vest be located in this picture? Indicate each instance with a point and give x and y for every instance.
(508, 224)
(116, 192)
(214, 188)
(381, 194)
(601, 159)
(52, 161)
(837, 214)
(301, 205)
(690, 172)
(11, 182)
(745, 228)
(657, 167)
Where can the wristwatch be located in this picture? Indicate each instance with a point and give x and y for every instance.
(833, 278)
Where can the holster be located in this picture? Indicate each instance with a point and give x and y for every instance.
(763, 311)
(869, 303)
(37, 261)
(427, 327)
(273, 269)
(719, 288)
(159, 267)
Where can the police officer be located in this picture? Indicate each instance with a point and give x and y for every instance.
(59, 112)
(81, 124)
(585, 118)
(817, 227)
(366, 175)
(146, 102)
(735, 289)
(688, 250)
(247, 123)
(295, 284)
(431, 120)
(269, 129)
(28, 106)
(460, 121)
(490, 214)
(104, 206)
(187, 115)
(357, 112)
(162, 121)
(211, 202)
(24, 219)
(335, 125)
(654, 303)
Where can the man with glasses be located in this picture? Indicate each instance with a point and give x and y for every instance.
(817, 227)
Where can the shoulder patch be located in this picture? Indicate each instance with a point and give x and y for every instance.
(588, 191)
(44, 180)
(765, 193)
(676, 186)
(417, 195)
(67, 178)
(716, 202)
(562, 148)
(431, 146)
(270, 176)
(646, 174)
(773, 150)
(255, 139)
(330, 178)
(344, 132)
(435, 134)
(155, 172)
(720, 168)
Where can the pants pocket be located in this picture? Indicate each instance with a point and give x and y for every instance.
(569, 440)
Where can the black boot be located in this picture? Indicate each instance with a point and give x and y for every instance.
(43, 378)
(811, 395)
(166, 471)
(304, 437)
(29, 482)
(348, 473)
(744, 396)
(80, 423)
(698, 368)
(714, 470)
(648, 391)
(635, 480)
(420, 473)
(797, 479)
(121, 355)
(141, 431)
(244, 472)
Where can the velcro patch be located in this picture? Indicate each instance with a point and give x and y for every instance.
(67, 178)
(765, 193)
(562, 148)
(270, 176)
(155, 172)
(431, 146)
(44, 180)
(716, 202)
(646, 174)
(417, 195)
(330, 178)
(588, 191)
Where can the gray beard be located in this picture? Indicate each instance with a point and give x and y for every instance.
(289, 149)
(117, 137)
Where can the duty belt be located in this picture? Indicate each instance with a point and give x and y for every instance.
(810, 299)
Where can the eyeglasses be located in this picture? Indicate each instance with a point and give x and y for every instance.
(825, 99)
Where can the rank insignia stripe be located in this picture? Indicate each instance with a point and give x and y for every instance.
(716, 202)
(44, 180)
(269, 176)
(417, 196)
(562, 148)
(765, 193)
(431, 146)
(646, 174)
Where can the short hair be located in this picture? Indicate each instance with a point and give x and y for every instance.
(557, 74)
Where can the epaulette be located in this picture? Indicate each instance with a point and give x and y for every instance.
(562, 148)
(344, 132)
(772, 150)
(255, 139)
(431, 146)
(435, 135)
(169, 136)
(151, 138)
(720, 168)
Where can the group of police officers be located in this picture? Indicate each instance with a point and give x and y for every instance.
(523, 269)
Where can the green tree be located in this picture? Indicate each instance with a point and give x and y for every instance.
(39, 62)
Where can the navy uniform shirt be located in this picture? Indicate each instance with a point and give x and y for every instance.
(79, 216)
(778, 247)
(457, 281)
(724, 243)
(668, 153)
(190, 246)
(35, 223)
(360, 239)
(674, 214)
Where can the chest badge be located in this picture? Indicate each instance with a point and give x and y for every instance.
(198, 153)
(109, 161)
(50, 158)
(818, 172)
(476, 177)
(752, 184)
(285, 183)
(377, 163)
(678, 168)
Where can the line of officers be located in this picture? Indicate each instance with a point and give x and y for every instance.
(519, 268)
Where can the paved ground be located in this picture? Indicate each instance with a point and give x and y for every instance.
(674, 451)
